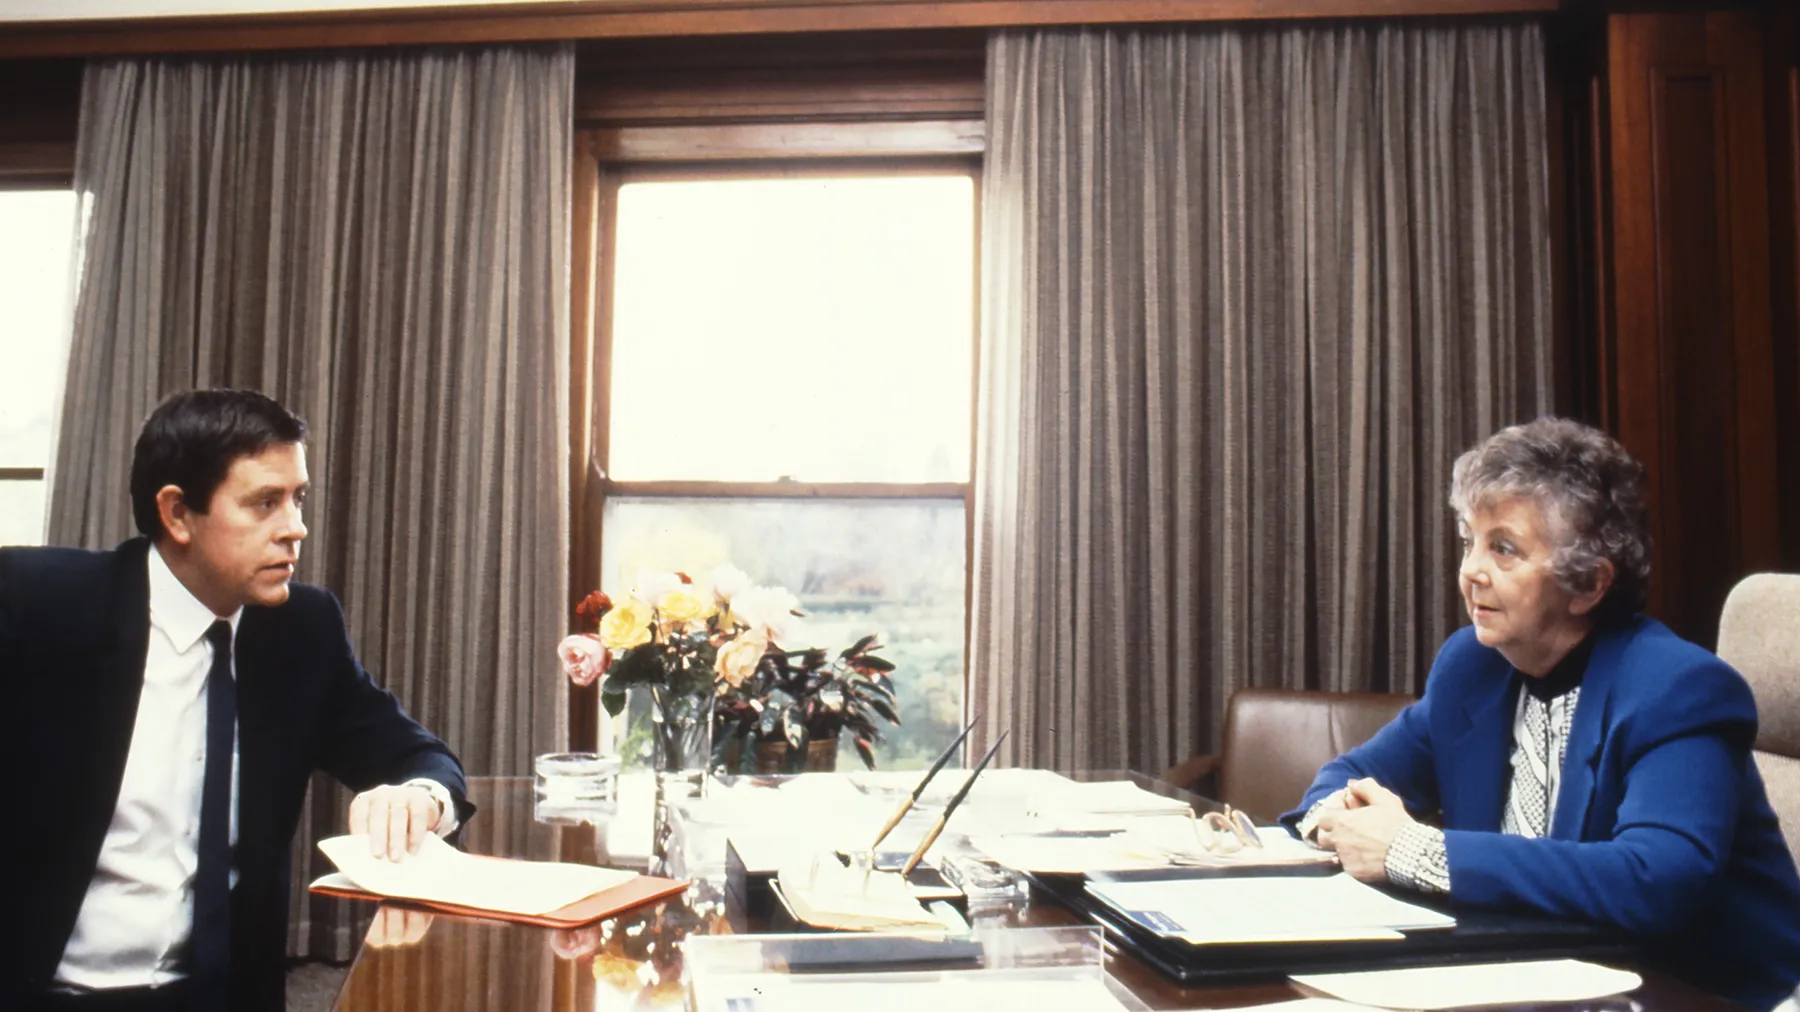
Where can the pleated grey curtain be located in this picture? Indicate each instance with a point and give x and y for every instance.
(381, 242)
(1247, 293)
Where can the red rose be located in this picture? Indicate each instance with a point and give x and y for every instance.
(594, 606)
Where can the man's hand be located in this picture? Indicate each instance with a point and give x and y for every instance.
(396, 819)
(1361, 832)
(396, 926)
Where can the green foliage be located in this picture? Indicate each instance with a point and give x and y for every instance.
(802, 696)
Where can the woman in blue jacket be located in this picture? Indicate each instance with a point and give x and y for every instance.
(1583, 760)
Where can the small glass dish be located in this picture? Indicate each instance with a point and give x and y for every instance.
(985, 883)
(568, 779)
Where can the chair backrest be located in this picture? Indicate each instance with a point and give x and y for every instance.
(1276, 739)
(1759, 634)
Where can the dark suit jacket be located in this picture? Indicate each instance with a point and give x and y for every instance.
(74, 628)
(1662, 828)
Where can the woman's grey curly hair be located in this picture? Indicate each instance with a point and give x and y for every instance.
(1590, 490)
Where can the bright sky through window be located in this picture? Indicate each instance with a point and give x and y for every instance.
(37, 245)
(813, 328)
(37, 287)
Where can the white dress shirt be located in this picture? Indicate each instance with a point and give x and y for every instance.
(134, 922)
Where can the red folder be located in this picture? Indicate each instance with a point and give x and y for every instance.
(601, 905)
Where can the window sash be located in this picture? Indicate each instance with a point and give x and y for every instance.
(599, 174)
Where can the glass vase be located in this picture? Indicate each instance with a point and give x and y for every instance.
(681, 737)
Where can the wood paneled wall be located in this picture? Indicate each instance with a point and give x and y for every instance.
(39, 103)
(1694, 323)
(1782, 114)
(654, 19)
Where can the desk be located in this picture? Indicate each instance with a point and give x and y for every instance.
(634, 961)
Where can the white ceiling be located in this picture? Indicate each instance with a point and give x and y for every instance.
(63, 10)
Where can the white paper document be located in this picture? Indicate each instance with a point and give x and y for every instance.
(442, 874)
(1107, 797)
(1441, 987)
(1147, 842)
(1268, 909)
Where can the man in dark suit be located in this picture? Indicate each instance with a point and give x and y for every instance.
(167, 703)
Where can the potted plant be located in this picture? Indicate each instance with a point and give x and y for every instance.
(793, 705)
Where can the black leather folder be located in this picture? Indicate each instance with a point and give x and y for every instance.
(1478, 935)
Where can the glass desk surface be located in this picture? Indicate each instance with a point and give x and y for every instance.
(636, 960)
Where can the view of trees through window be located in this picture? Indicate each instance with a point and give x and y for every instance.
(892, 568)
(791, 364)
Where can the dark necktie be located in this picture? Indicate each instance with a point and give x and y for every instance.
(210, 945)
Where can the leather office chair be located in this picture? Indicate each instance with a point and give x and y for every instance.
(1759, 634)
(1275, 740)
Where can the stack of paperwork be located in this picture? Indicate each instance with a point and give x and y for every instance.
(1102, 797)
(1230, 911)
(826, 894)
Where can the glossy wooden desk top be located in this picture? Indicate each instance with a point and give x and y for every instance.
(634, 961)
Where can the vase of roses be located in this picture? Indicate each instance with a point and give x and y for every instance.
(679, 640)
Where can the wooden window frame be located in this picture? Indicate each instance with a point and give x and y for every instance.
(654, 19)
(603, 166)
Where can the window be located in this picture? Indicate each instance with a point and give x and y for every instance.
(37, 256)
(790, 366)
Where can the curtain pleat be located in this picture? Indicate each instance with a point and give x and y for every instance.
(1247, 293)
(381, 243)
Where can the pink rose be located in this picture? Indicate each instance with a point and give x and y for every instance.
(583, 658)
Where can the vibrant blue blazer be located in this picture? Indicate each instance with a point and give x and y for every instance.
(1662, 828)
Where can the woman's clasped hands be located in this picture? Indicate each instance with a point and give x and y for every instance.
(1359, 822)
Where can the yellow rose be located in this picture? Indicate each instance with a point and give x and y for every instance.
(617, 972)
(739, 658)
(627, 625)
(681, 605)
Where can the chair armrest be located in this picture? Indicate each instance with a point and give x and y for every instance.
(1188, 774)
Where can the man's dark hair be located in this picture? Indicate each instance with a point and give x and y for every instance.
(191, 440)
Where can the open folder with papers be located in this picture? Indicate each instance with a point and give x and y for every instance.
(439, 876)
(1192, 946)
(1265, 909)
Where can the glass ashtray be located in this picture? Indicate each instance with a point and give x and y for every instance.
(576, 778)
(985, 883)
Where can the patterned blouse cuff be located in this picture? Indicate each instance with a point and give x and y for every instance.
(1418, 860)
(1309, 823)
